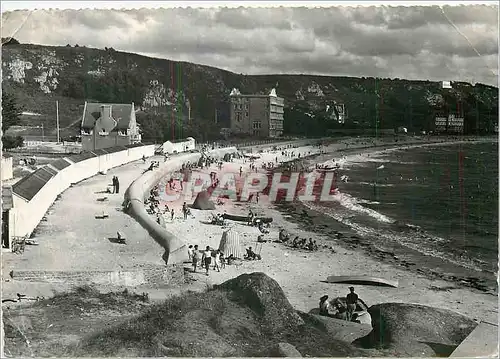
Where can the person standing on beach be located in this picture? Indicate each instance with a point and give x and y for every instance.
(206, 259)
(113, 181)
(195, 258)
(172, 214)
(185, 210)
(351, 301)
(117, 185)
(190, 252)
(217, 260)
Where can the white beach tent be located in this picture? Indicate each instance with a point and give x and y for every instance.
(230, 244)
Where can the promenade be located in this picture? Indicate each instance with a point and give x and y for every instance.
(72, 239)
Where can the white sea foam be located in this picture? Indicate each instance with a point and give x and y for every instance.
(377, 184)
(352, 204)
(419, 243)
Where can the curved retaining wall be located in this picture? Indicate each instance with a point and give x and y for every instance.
(175, 248)
(27, 213)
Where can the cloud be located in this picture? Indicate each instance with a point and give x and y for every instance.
(428, 43)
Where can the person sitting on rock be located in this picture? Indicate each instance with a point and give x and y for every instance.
(310, 245)
(295, 242)
(324, 306)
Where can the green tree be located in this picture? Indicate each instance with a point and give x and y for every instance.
(9, 142)
(11, 112)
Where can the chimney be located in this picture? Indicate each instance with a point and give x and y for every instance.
(105, 113)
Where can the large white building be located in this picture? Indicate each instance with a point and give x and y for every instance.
(257, 115)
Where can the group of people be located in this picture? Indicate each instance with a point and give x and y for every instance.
(208, 258)
(328, 308)
(116, 184)
(297, 242)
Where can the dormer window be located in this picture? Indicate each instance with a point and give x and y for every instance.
(122, 133)
(86, 132)
(103, 133)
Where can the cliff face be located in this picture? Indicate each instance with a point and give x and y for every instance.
(166, 91)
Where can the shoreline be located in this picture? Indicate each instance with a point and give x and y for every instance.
(301, 273)
(399, 255)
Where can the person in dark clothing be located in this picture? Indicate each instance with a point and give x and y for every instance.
(185, 210)
(117, 186)
(114, 184)
(324, 306)
(351, 301)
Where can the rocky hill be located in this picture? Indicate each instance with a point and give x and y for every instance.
(165, 91)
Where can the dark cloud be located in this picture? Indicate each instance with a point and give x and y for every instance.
(406, 42)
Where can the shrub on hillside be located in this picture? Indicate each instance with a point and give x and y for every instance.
(10, 142)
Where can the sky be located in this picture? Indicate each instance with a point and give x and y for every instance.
(438, 43)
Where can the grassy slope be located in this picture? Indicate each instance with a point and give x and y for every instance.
(127, 78)
(215, 323)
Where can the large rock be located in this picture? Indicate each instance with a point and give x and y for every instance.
(416, 330)
(264, 296)
(284, 350)
(342, 329)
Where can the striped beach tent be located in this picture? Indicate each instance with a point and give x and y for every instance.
(230, 244)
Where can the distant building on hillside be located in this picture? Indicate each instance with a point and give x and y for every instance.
(257, 115)
(178, 146)
(107, 125)
(450, 124)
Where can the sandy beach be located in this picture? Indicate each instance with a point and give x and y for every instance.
(300, 273)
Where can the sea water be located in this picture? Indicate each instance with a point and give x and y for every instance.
(440, 201)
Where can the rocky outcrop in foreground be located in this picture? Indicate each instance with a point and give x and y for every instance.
(243, 317)
(405, 330)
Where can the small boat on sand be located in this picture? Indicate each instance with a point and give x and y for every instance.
(366, 280)
(237, 218)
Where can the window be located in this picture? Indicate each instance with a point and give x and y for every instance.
(122, 133)
(103, 133)
(246, 114)
(86, 132)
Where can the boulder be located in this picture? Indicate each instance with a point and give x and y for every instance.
(343, 330)
(416, 330)
(266, 298)
(284, 350)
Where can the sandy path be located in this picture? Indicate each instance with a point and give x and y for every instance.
(71, 239)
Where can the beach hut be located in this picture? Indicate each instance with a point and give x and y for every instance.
(203, 202)
(230, 244)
